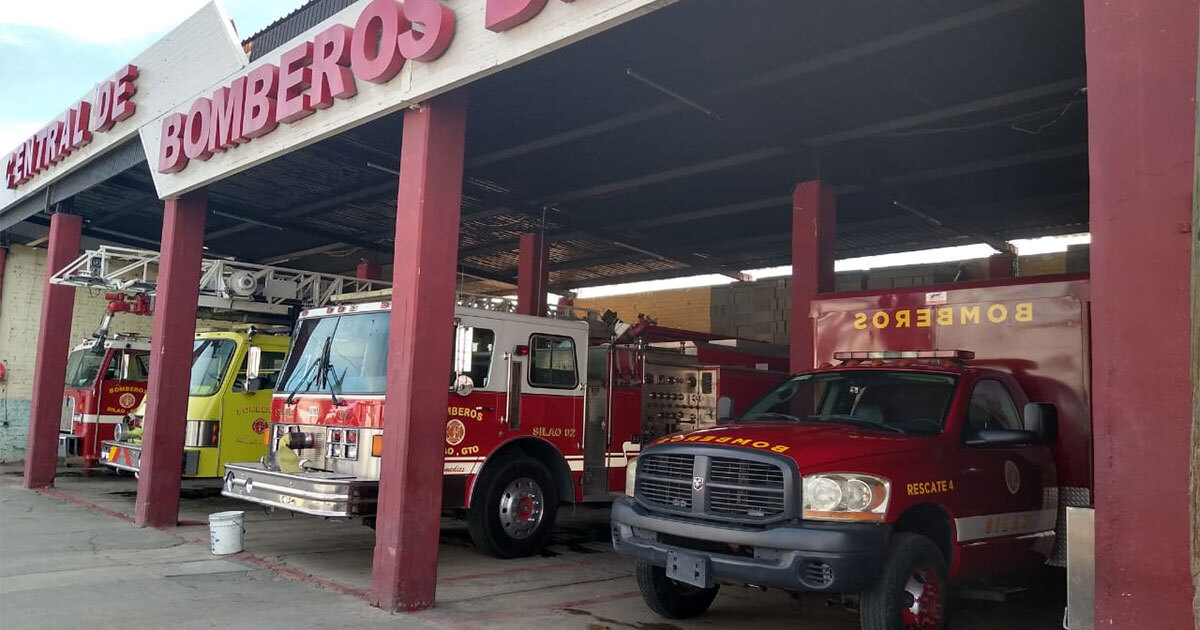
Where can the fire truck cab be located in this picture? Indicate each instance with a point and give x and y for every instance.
(891, 469)
(542, 411)
(105, 381)
(229, 403)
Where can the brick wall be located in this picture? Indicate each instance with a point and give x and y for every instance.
(20, 316)
(677, 308)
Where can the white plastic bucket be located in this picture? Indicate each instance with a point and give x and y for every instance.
(226, 531)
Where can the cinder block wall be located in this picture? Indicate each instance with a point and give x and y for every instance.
(677, 308)
(20, 317)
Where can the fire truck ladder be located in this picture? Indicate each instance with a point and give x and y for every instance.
(225, 285)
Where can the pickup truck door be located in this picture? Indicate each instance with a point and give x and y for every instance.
(1006, 511)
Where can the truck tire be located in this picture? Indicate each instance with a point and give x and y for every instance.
(669, 598)
(514, 508)
(913, 588)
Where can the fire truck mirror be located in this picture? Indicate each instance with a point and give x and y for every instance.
(463, 385)
(253, 362)
(724, 410)
(464, 341)
(1041, 419)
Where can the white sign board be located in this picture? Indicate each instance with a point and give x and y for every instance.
(472, 52)
(201, 50)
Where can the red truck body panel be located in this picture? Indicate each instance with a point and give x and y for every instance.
(1036, 330)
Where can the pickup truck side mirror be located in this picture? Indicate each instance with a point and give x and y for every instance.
(1041, 419)
(1000, 437)
(724, 410)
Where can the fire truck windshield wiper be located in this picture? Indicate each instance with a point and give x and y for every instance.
(310, 376)
(328, 375)
(844, 418)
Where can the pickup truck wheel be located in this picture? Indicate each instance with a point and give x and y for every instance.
(912, 590)
(513, 510)
(671, 599)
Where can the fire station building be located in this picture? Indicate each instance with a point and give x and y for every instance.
(413, 153)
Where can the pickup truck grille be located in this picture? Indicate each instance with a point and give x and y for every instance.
(666, 480)
(745, 488)
(750, 489)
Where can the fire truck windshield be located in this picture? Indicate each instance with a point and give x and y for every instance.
(886, 400)
(82, 367)
(356, 346)
(210, 362)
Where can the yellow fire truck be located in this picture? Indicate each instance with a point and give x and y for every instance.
(229, 405)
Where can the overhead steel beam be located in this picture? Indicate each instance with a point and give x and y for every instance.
(970, 168)
(779, 75)
(356, 193)
(690, 170)
(300, 253)
(781, 201)
(360, 243)
(946, 113)
(965, 228)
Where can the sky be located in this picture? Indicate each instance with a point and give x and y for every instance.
(53, 51)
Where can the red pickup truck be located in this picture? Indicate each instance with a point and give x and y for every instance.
(943, 432)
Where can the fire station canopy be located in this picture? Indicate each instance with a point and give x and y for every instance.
(670, 145)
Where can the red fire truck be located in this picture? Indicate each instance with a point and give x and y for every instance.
(543, 410)
(105, 381)
(893, 468)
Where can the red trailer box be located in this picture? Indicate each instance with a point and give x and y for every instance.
(543, 410)
(939, 439)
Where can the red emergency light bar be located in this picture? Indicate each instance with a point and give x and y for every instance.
(960, 355)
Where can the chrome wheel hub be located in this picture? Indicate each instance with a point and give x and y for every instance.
(522, 507)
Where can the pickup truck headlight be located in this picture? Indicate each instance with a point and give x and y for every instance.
(630, 476)
(846, 497)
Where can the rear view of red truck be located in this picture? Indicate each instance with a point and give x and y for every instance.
(939, 439)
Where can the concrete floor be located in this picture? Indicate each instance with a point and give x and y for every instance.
(72, 559)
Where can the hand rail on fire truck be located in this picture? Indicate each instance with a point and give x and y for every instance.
(224, 284)
(487, 303)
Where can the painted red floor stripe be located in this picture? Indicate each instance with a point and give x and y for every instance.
(87, 505)
(596, 600)
(492, 574)
(300, 576)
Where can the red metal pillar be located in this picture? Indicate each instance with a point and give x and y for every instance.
(1002, 266)
(53, 346)
(533, 274)
(404, 572)
(1141, 77)
(368, 271)
(171, 339)
(814, 213)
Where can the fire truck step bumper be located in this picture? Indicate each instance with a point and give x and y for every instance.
(69, 444)
(128, 457)
(316, 493)
(831, 557)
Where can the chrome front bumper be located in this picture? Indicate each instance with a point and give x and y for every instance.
(316, 493)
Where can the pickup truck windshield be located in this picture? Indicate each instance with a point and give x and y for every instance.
(885, 400)
(357, 355)
(210, 361)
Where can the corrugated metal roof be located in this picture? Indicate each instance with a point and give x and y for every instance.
(571, 144)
